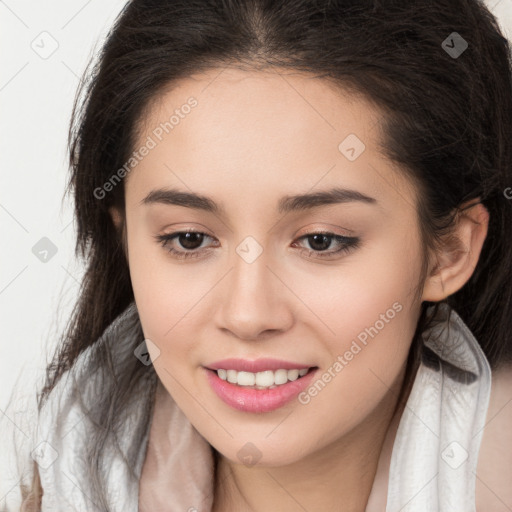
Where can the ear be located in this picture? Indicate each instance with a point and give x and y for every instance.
(117, 217)
(119, 223)
(457, 258)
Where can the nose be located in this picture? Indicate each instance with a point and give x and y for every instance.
(254, 302)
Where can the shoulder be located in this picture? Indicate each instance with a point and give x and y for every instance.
(494, 469)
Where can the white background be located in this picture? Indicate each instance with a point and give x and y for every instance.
(36, 97)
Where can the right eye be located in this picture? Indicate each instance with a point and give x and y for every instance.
(189, 241)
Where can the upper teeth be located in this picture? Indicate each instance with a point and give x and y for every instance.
(264, 379)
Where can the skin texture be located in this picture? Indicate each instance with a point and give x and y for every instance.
(252, 138)
(493, 490)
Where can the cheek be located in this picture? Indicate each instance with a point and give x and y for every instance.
(369, 313)
(164, 291)
(374, 286)
(365, 358)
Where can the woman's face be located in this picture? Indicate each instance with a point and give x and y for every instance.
(254, 285)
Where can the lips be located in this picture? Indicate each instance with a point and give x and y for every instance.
(255, 366)
(254, 400)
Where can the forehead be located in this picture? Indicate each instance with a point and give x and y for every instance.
(260, 104)
(227, 128)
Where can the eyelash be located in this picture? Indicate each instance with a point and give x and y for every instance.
(348, 243)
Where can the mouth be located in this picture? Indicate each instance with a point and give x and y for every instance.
(262, 391)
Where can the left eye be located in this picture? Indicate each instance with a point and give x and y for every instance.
(324, 239)
(190, 241)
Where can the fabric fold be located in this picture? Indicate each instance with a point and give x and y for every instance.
(435, 455)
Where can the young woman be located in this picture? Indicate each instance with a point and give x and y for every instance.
(296, 220)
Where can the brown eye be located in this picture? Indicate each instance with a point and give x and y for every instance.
(184, 244)
(190, 240)
(320, 242)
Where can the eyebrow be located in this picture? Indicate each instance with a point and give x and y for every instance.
(286, 204)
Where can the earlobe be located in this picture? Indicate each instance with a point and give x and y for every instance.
(456, 260)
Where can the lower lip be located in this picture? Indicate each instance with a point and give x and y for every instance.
(257, 400)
